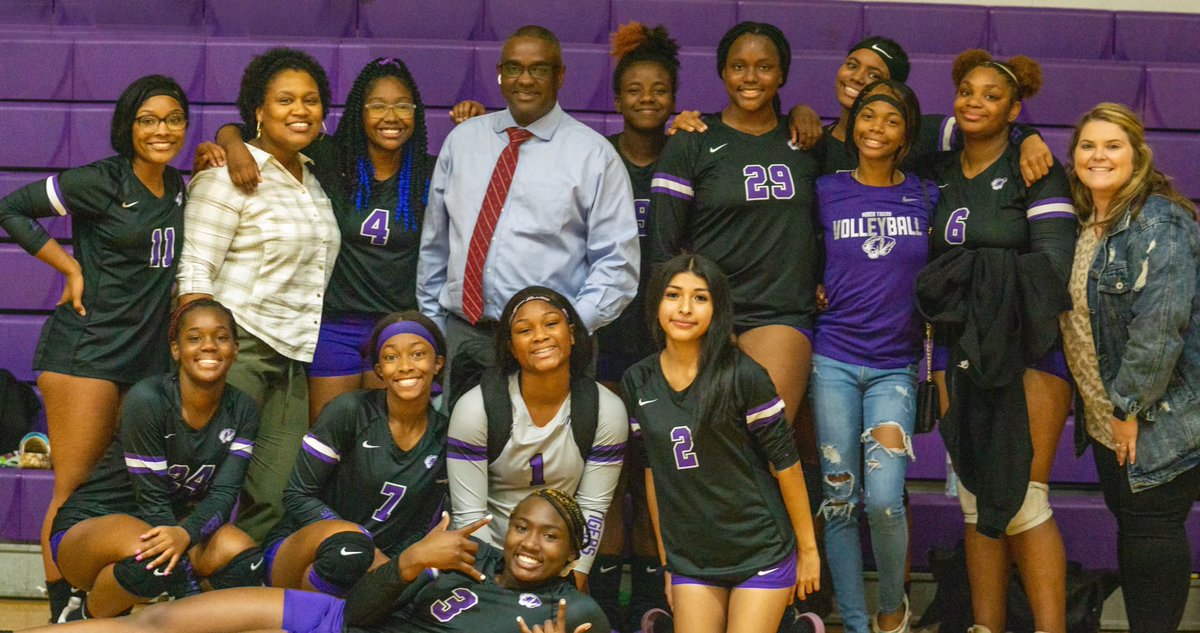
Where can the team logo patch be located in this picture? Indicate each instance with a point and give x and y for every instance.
(998, 183)
(793, 145)
(179, 198)
(878, 246)
(430, 460)
(529, 601)
(226, 436)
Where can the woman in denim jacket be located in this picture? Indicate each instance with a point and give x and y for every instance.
(1133, 345)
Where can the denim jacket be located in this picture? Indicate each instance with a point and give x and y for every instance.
(1144, 298)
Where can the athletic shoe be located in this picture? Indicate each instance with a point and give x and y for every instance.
(76, 608)
(901, 628)
(658, 621)
(795, 621)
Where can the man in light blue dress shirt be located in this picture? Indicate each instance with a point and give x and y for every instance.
(568, 222)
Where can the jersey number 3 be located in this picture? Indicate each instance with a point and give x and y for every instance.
(460, 600)
(685, 457)
(376, 227)
(772, 181)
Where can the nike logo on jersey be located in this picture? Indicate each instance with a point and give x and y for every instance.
(605, 570)
(168, 436)
(714, 150)
(128, 205)
(161, 571)
(642, 403)
(768, 571)
(346, 552)
(907, 199)
(651, 570)
(793, 145)
(943, 186)
(255, 566)
(365, 444)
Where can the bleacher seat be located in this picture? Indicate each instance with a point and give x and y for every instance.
(1071, 88)
(811, 82)
(812, 25)
(1050, 33)
(226, 59)
(1156, 37)
(931, 79)
(700, 87)
(172, 14)
(1171, 91)
(690, 22)
(24, 497)
(36, 136)
(442, 20)
(29, 12)
(289, 18)
(944, 29)
(437, 126)
(18, 339)
(1059, 140)
(571, 22)
(444, 71)
(32, 284)
(181, 58)
(1175, 155)
(36, 68)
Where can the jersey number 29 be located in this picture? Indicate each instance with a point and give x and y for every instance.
(772, 181)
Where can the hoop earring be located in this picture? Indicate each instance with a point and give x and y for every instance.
(499, 81)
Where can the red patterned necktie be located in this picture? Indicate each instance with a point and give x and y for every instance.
(485, 224)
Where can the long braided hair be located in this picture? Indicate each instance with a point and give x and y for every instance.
(568, 508)
(356, 171)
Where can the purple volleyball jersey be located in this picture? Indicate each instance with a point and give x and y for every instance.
(876, 241)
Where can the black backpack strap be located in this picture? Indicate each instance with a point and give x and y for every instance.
(585, 413)
(497, 407)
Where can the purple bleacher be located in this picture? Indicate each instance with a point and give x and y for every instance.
(485, 87)
(1171, 91)
(29, 284)
(437, 125)
(443, 70)
(35, 136)
(442, 20)
(613, 124)
(700, 88)
(89, 133)
(924, 28)
(36, 68)
(24, 498)
(811, 82)
(574, 22)
(181, 58)
(58, 227)
(173, 14)
(1059, 140)
(1156, 37)
(1060, 33)
(1175, 155)
(298, 18)
(930, 79)
(226, 58)
(1071, 88)
(690, 22)
(592, 120)
(822, 26)
(18, 339)
(29, 12)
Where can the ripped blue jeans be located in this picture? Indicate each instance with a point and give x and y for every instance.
(859, 473)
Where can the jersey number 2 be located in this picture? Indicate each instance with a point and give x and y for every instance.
(162, 247)
(772, 181)
(685, 457)
(376, 227)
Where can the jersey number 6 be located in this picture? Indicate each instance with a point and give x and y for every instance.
(956, 226)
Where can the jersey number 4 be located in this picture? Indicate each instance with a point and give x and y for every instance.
(377, 226)
(956, 226)
(772, 181)
(685, 456)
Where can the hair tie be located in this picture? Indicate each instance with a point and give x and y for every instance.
(552, 302)
(405, 327)
(1008, 71)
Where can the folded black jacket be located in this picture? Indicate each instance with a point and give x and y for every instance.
(997, 310)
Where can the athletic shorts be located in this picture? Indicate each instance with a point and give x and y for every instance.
(269, 553)
(339, 347)
(55, 542)
(309, 612)
(1053, 362)
(781, 575)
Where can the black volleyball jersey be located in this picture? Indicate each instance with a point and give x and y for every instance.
(720, 509)
(350, 468)
(451, 602)
(163, 471)
(995, 209)
(628, 334)
(127, 241)
(376, 269)
(746, 203)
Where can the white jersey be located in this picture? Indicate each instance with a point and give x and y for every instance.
(534, 457)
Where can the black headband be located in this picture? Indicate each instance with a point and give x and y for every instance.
(886, 99)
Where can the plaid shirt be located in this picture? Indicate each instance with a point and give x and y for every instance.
(267, 256)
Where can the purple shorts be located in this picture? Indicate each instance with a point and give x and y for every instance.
(339, 347)
(55, 541)
(781, 575)
(1053, 362)
(269, 553)
(309, 612)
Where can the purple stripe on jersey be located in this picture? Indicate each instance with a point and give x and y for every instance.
(763, 407)
(603, 459)
(146, 458)
(58, 194)
(758, 424)
(609, 450)
(214, 522)
(243, 440)
(319, 455)
(1051, 209)
(324, 586)
(671, 192)
(144, 471)
(664, 176)
(241, 453)
(456, 449)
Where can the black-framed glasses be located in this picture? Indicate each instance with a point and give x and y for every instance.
(148, 122)
(379, 109)
(540, 70)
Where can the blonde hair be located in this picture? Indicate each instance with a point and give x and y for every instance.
(1145, 181)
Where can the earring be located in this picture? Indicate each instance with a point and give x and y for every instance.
(258, 130)
(498, 81)
(324, 130)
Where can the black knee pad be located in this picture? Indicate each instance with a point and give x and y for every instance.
(133, 577)
(341, 560)
(244, 570)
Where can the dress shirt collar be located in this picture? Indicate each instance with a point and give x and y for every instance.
(262, 157)
(542, 128)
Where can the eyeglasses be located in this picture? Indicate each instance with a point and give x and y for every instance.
(149, 122)
(540, 70)
(402, 109)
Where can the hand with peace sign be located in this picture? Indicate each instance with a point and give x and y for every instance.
(557, 625)
(448, 550)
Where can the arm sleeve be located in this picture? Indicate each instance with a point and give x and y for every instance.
(601, 470)
(142, 429)
(84, 191)
(210, 221)
(217, 506)
(613, 251)
(764, 413)
(466, 463)
(380, 593)
(1052, 222)
(1163, 271)
(434, 257)
(629, 388)
(320, 455)
(671, 198)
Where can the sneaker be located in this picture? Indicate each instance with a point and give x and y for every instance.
(903, 626)
(58, 593)
(76, 608)
(658, 621)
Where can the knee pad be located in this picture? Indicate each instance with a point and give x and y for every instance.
(1034, 511)
(968, 503)
(244, 570)
(133, 577)
(341, 560)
